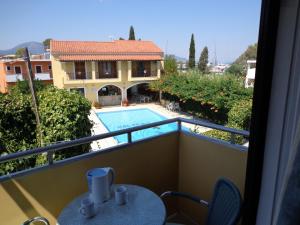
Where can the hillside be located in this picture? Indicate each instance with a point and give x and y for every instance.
(33, 47)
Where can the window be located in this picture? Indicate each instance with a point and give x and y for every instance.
(38, 69)
(49, 67)
(80, 70)
(18, 70)
(141, 68)
(8, 68)
(79, 90)
(107, 68)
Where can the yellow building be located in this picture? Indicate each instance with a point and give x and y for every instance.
(107, 72)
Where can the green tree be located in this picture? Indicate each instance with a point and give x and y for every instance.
(208, 96)
(120, 38)
(46, 43)
(64, 116)
(170, 65)
(23, 87)
(203, 60)
(236, 69)
(17, 130)
(131, 33)
(192, 53)
(20, 52)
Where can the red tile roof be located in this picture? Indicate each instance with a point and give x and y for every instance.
(115, 50)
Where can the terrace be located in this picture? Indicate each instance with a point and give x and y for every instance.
(180, 160)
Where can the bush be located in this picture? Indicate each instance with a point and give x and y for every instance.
(240, 114)
(207, 96)
(170, 65)
(63, 114)
(17, 130)
(22, 87)
(238, 117)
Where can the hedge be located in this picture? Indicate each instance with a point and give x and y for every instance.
(207, 96)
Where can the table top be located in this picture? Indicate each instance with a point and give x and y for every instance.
(143, 208)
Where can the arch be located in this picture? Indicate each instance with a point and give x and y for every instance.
(111, 96)
(140, 93)
(108, 85)
(143, 82)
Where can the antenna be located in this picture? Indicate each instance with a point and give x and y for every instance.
(215, 55)
(111, 37)
(166, 48)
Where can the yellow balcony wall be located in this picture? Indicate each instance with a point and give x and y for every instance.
(176, 161)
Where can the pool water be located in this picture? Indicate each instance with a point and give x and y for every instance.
(118, 120)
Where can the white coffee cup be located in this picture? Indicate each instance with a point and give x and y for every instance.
(121, 195)
(87, 208)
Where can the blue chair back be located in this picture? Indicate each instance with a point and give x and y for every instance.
(225, 207)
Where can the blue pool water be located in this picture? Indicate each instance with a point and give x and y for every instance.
(118, 120)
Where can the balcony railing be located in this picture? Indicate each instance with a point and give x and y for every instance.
(178, 160)
(144, 74)
(50, 149)
(79, 76)
(106, 75)
(43, 76)
(14, 77)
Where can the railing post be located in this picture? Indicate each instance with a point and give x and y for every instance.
(50, 157)
(232, 138)
(129, 137)
(179, 125)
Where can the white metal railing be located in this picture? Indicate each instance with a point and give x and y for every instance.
(14, 77)
(42, 76)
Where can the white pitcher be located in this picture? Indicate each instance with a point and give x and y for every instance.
(100, 181)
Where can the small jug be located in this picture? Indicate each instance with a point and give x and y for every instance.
(100, 181)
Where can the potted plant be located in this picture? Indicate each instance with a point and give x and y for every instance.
(125, 103)
(96, 105)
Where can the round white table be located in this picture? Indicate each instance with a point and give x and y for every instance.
(143, 208)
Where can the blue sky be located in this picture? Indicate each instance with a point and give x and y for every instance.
(229, 25)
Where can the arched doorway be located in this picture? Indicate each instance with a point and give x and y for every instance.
(109, 95)
(141, 93)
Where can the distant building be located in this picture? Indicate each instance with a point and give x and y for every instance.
(250, 76)
(182, 66)
(219, 69)
(12, 70)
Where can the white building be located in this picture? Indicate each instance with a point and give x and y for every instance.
(250, 76)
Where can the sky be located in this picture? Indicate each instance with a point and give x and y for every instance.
(225, 27)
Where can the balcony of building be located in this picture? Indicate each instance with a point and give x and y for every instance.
(110, 71)
(178, 160)
(91, 72)
(144, 70)
(12, 78)
(43, 76)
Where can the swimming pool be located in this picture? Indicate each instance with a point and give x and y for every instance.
(118, 120)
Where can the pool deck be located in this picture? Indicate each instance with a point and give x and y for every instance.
(99, 128)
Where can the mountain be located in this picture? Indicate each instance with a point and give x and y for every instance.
(33, 47)
(178, 59)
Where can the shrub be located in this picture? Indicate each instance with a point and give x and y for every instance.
(17, 130)
(63, 114)
(240, 114)
(22, 87)
(238, 117)
(208, 96)
(170, 65)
